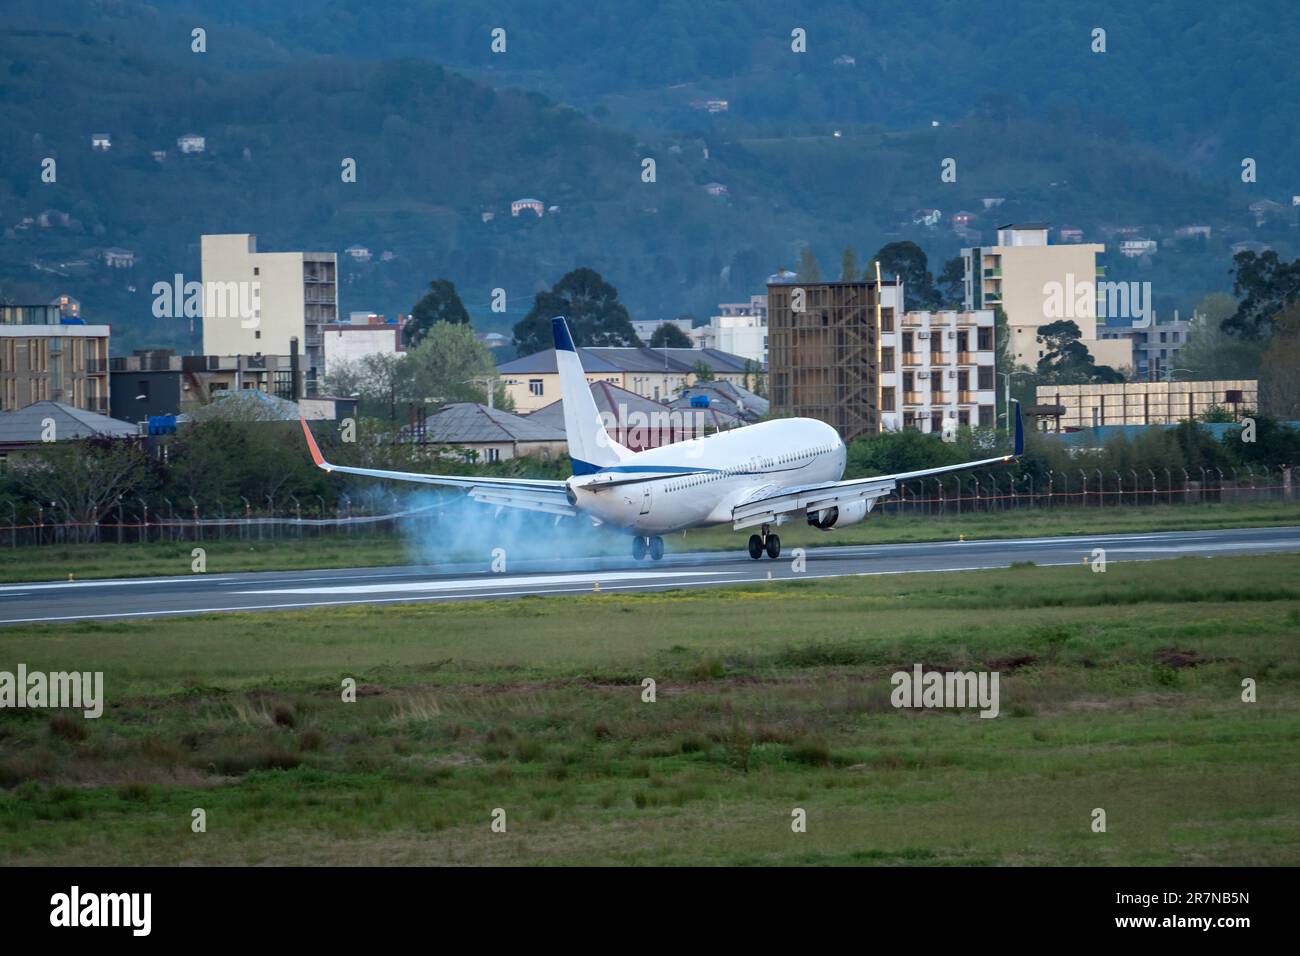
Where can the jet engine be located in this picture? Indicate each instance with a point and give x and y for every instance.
(839, 516)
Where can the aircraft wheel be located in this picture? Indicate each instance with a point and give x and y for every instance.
(755, 547)
(773, 546)
(638, 548)
(656, 547)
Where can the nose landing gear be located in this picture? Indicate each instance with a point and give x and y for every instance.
(770, 543)
(653, 546)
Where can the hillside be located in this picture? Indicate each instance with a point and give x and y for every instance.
(436, 150)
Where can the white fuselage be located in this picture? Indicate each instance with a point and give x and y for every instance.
(705, 478)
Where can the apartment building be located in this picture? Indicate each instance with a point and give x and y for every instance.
(362, 335)
(823, 350)
(1036, 283)
(936, 370)
(47, 357)
(160, 382)
(1155, 344)
(255, 303)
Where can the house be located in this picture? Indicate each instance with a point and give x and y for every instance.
(159, 155)
(638, 422)
(116, 258)
(1134, 248)
(844, 60)
(1192, 232)
(715, 189)
(479, 433)
(926, 217)
(535, 206)
(191, 143)
(711, 105)
(357, 253)
(1265, 209)
(1070, 234)
(101, 142)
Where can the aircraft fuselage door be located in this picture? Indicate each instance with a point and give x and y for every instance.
(645, 501)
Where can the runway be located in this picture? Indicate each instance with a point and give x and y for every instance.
(125, 598)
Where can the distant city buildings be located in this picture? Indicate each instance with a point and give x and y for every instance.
(739, 328)
(191, 143)
(101, 142)
(1155, 344)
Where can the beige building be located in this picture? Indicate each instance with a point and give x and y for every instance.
(254, 302)
(1145, 403)
(42, 359)
(1036, 283)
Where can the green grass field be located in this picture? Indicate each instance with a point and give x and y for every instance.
(56, 562)
(1119, 691)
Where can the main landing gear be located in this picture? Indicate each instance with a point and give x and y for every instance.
(770, 543)
(652, 546)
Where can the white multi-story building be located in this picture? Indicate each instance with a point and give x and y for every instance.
(740, 328)
(364, 334)
(937, 369)
(291, 295)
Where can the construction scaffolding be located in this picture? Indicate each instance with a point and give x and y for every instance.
(823, 360)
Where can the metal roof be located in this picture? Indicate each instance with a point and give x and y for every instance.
(468, 423)
(26, 425)
(541, 363)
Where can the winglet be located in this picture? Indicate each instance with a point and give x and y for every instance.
(1020, 432)
(560, 331)
(316, 456)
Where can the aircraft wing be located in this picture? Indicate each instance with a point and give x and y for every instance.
(766, 504)
(528, 494)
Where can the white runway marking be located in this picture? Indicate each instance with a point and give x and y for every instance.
(493, 582)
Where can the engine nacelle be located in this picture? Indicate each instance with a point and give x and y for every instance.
(839, 516)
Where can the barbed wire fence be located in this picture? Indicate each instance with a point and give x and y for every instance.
(1095, 488)
(139, 521)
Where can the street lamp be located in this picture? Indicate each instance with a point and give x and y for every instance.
(1006, 393)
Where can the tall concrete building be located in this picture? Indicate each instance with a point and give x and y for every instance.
(823, 350)
(1035, 284)
(47, 357)
(256, 302)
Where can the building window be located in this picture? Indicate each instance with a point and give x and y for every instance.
(985, 376)
(986, 416)
(886, 399)
(535, 386)
(494, 454)
(984, 339)
(887, 360)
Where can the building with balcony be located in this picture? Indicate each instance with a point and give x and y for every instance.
(739, 328)
(1035, 283)
(47, 357)
(937, 368)
(256, 303)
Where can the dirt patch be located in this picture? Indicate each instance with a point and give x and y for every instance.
(1174, 657)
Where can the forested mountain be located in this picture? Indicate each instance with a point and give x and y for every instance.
(1149, 134)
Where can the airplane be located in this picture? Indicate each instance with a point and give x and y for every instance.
(762, 475)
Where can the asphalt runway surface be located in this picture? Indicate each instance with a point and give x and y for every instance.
(120, 598)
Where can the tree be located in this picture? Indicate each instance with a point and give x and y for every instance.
(848, 266)
(1067, 360)
(83, 478)
(668, 336)
(1279, 380)
(951, 284)
(1267, 286)
(907, 260)
(439, 304)
(808, 270)
(591, 305)
(449, 365)
(703, 373)
(1212, 353)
